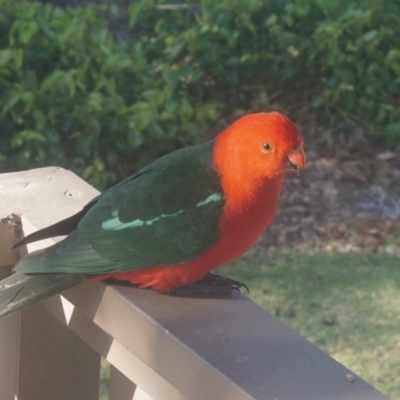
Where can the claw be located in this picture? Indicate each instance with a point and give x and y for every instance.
(211, 285)
(223, 281)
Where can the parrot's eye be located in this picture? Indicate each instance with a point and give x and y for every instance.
(266, 147)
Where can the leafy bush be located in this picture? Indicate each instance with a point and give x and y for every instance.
(89, 90)
(333, 60)
(60, 71)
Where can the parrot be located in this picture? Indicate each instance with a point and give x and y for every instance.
(170, 224)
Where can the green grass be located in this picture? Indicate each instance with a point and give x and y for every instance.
(347, 304)
(104, 379)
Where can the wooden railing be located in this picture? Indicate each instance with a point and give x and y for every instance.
(160, 347)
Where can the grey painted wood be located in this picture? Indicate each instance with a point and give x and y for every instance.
(121, 388)
(54, 363)
(40, 359)
(218, 348)
(9, 328)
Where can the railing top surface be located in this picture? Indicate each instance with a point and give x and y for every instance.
(219, 348)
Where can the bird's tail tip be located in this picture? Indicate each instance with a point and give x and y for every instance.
(19, 291)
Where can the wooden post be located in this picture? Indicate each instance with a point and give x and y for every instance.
(9, 327)
(40, 358)
(121, 388)
(53, 362)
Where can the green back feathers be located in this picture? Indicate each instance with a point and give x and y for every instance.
(167, 213)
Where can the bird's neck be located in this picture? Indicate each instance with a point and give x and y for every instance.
(257, 200)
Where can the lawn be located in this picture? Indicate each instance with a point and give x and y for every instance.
(347, 304)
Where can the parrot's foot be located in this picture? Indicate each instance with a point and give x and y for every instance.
(215, 280)
(210, 285)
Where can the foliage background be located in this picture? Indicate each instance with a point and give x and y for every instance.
(104, 88)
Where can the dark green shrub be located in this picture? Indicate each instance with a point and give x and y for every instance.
(333, 60)
(60, 88)
(102, 90)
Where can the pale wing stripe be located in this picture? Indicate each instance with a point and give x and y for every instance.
(115, 224)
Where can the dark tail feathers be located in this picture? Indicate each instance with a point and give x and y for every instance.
(61, 228)
(19, 291)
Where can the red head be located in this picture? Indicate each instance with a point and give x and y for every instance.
(258, 148)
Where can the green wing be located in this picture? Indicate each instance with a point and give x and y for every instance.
(167, 213)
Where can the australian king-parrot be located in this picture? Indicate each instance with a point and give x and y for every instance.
(171, 223)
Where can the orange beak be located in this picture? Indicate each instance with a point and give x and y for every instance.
(297, 160)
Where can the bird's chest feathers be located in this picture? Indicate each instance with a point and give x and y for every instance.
(247, 213)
